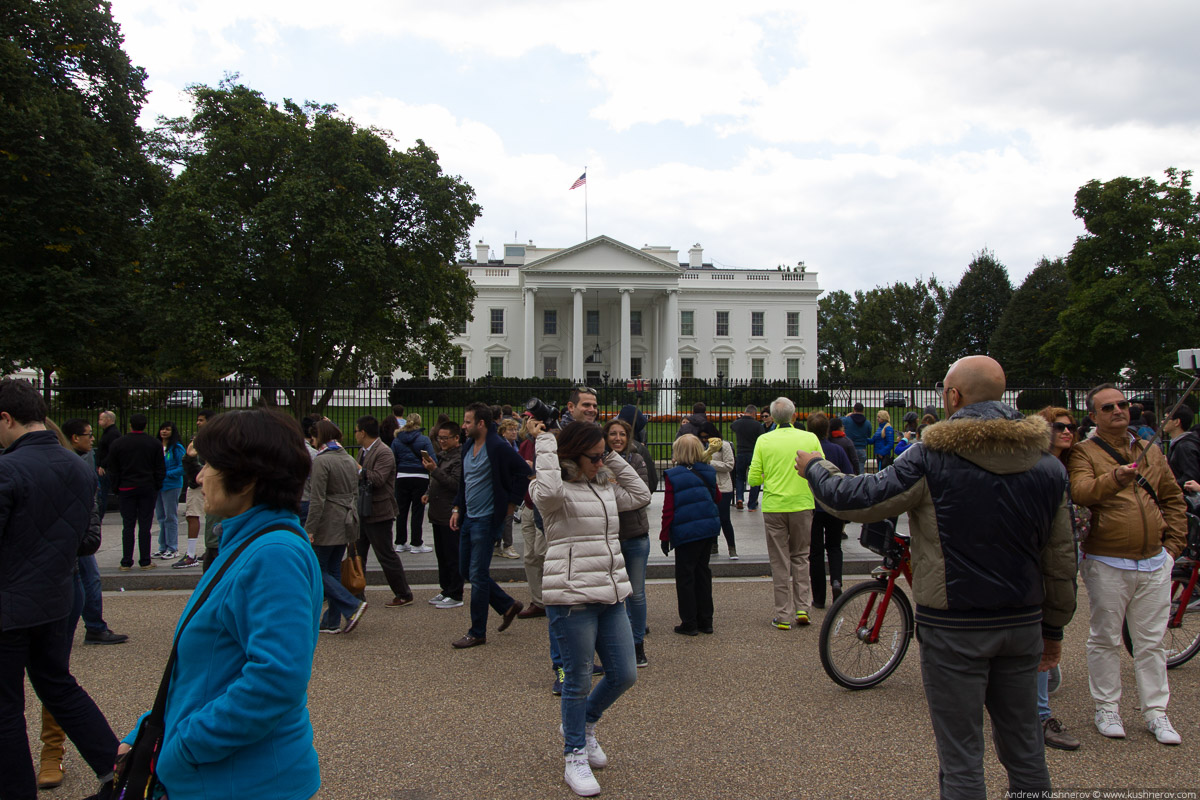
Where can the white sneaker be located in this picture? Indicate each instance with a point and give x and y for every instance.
(579, 775)
(437, 598)
(449, 602)
(421, 549)
(401, 548)
(1109, 724)
(595, 754)
(1163, 730)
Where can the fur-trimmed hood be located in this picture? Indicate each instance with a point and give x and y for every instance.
(572, 473)
(992, 435)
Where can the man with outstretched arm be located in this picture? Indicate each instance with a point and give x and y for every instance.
(993, 560)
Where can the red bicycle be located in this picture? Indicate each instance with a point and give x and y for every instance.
(867, 630)
(1182, 639)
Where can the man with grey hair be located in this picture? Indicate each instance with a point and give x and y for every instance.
(108, 424)
(787, 505)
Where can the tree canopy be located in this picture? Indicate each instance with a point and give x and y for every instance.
(1134, 297)
(1029, 321)
(75, 183)
(298, 248)
(972, 312)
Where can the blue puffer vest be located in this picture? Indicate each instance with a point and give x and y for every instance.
(696, 516)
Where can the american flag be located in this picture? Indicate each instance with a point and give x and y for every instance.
(580, 182)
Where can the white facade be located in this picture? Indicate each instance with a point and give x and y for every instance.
(602, 308)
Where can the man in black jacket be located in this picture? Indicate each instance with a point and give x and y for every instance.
(109, 434)
(46, 499)
(748, 429)
(1184, 456)
(993, 560)
(136, 468)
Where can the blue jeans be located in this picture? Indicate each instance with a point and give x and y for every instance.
(1043, 703)
(583, 630)
(88, 577)
(741, 467)
(477, 537)
(341, 602)
(862, 459)
(637, 553)
(166, 509)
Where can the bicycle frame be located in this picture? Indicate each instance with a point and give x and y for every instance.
(898, 557)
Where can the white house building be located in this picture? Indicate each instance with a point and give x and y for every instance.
(603, 309)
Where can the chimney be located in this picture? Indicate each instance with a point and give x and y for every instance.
(481, 252)
(696, 256)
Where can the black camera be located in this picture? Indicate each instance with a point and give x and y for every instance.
(546, 414)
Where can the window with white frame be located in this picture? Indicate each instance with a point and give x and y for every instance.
(550, 366)
(497, 321)
(593, 322)
(461, 328)
(550, 322)
(793, 323)
(793, 369)
(497, 366)
(687, 367)
(687, 323)
(756, 368)
(758, 323)
(635, 368)
(722, 323)
(723, 367)
(635, 323)
(460, 368)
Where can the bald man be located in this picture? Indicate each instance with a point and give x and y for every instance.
(993, 560)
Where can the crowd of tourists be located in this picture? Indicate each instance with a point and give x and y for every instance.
(1005, 510)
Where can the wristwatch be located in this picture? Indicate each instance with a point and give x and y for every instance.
(454, 510)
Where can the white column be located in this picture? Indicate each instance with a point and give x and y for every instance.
(672, 329)
(626, 339)
(577, 335)
(530, 323)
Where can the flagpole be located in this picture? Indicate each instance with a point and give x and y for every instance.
(585, 208)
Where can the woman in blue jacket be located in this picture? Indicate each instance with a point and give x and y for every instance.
(237, 720)
(690, 523)
(884, 440)
(412, 483)
(166, 507)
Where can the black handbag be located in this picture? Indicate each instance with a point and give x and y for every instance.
(366, 502)
(136, 778)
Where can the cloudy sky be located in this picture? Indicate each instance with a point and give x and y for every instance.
(876, 141)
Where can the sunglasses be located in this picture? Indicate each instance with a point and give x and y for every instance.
(1107, 408)
(594, 458)
(1059, 427)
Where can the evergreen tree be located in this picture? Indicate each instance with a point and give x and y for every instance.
(1028, 323)
(972, 312)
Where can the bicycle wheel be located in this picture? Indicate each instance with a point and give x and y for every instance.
(847, 655)
(1183, 642)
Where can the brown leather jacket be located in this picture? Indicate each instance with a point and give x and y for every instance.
(1126, 522)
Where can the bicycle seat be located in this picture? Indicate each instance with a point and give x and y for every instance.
(904, 536)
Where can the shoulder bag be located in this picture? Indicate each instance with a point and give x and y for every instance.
(136, 778)
(353, 577)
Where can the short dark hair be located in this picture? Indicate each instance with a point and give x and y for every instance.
(699, 408)
(578, 390)
(576, 439)
(368, 425)
(397, 410)
(835, 423)
(207, 413)
(1095, 390)
(263, 447)
(506, 410)
(75, 427)
(482, 412)
(858, 406)
(451, 427)
(1185, 417)
(138, 422)
(308, 422)
(326, 432)
(818, 424)
(22, 401)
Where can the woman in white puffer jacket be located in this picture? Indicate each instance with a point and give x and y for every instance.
(580, 492)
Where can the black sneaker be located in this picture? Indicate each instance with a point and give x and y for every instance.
(639, 650)
(104, 637)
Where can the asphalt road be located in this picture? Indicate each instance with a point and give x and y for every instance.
(744, 713)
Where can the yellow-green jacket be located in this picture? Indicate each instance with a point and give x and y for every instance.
(774, 468)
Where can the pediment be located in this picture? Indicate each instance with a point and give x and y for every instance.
(602, 255)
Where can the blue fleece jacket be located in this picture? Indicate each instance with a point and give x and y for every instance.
(174, 461)
(237, 709)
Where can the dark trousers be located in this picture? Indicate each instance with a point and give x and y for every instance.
(409, 492)
(445, 547)
(827, 536)
(137, 508)
(965, 671)
(741, 467)
(105, 491)
(44, 651)
(378, 535)
(693, 584)
(723, 506)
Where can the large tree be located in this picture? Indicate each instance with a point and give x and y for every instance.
(972, 313)
(75, 184)
(300, 249)
(1135, 292)
(837, 346)
(1029, 322)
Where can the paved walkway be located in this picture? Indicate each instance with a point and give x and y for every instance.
(422, 567)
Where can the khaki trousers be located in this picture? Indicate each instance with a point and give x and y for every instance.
(1141, 599)
(788, 534)
(535, 553)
